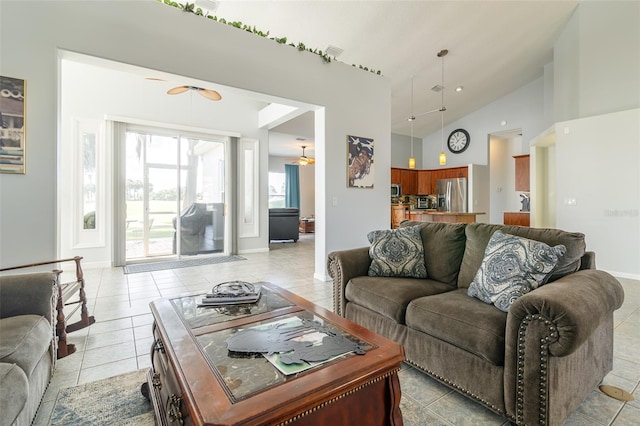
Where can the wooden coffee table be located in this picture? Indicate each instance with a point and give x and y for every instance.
(195, 380)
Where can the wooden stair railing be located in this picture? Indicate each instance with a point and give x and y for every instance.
(65, 292)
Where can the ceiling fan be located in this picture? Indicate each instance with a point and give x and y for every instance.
(207, 93)
(304, 160)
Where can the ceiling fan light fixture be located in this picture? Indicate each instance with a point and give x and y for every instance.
(304, 160)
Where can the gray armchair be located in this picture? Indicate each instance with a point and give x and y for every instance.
(27, 343)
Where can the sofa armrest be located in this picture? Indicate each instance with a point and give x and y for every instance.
(588, 260)
(559, 339)
(342, 266)
(28, 294)
(575, 305)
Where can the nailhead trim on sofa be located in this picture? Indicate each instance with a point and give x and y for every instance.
(552, 336)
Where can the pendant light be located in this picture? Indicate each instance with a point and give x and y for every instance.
(412, 160)
(443, 157)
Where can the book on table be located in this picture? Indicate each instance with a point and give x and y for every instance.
(232, 293)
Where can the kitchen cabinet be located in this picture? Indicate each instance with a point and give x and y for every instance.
(398, 214)
(517, 218)
(522, 172)
(395, 176)
(409, 181)
(456, 172)
(424, 182)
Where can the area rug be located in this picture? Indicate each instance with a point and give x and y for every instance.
(185, 263)
(113, 401)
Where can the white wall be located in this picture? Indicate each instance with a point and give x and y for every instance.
(597, 170)
(401, 151)
(597, 60)
(152, 35)
(479, 192)
(597, 96)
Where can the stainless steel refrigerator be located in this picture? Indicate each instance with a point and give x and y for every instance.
(452, 195)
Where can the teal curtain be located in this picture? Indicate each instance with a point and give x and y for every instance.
(291, 186)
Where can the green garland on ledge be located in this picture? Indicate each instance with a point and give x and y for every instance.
(191, 8)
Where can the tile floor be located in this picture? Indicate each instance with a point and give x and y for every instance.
(120, 340)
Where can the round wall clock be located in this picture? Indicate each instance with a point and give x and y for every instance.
(458, 141)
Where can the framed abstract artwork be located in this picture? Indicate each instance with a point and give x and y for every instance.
(12, 125)
(360, 170)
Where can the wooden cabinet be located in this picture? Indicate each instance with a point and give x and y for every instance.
(456, 172)
(517, 218)
(395, 176)
(407, 178)
(522, 173)
(409, 181)
(425, 186)
(398, 214)
(423, 182)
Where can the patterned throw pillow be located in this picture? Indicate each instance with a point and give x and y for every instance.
(397, 253)
(513, 266)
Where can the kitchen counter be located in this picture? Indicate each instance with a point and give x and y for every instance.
(450, 217)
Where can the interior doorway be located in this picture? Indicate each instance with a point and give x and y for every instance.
(174, 194)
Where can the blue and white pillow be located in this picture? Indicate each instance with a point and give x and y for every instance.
(513, 266)
(397, 253)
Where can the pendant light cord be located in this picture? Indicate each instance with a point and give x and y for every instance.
(442, 104)
(412, 118)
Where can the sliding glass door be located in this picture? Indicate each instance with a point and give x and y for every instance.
(175, 195)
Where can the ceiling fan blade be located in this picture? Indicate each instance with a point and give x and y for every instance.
(177, 90)
(210, 94)
(312, 160)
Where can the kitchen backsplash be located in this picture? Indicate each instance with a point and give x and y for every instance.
(405, 199)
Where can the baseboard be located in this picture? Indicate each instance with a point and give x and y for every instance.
(322, 277)
(624, 275)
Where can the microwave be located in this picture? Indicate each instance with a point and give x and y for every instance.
(396, 190)
(422, 202)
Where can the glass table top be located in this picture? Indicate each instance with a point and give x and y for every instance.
(197, 316)
(244, 374)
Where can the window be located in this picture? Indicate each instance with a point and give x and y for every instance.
(276, 189)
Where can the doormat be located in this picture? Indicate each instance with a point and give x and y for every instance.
(185, 263)
(113, 401)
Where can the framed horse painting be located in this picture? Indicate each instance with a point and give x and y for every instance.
(360, 170)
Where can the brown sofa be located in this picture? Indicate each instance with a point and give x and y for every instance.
(533, 364)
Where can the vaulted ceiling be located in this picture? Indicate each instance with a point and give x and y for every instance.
(494, 47)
